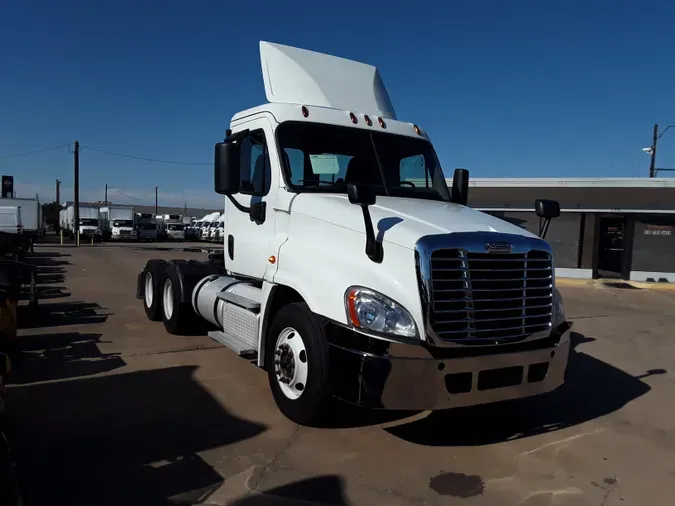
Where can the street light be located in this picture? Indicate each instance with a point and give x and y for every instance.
(651, 150)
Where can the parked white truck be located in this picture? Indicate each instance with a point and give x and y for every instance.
(146, 226)
(171, 227)
(210, 220)
(349, 267)
(89, 225)
(117, 223)
(31, 214)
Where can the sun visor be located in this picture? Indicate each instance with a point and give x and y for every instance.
(299, 76)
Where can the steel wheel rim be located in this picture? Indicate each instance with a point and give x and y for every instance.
(291, 367)
(168, 299)
(149, 294)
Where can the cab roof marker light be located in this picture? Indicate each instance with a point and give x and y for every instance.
(305, 111)
(353, 117)
(417, 130)
(381, 122)
(369, 122)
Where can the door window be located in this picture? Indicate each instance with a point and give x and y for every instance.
(255, 172)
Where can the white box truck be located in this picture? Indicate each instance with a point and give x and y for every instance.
(146, 226)
(349, 267)
(89, 226)
(31, 214)
(117, 223)
(171, 227)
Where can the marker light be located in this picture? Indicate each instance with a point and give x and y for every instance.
(381, 122)
(272, 259)
(369, 122)
(352, 117)
(305, 111)
(417, 130)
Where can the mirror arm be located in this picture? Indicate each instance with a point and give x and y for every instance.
(236, 204)
(543, 228)
(374, 249)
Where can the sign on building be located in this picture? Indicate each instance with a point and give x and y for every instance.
(7, 187)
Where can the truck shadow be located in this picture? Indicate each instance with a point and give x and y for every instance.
(61, 313)
(131, 438)
(593, 389)
(48, 357)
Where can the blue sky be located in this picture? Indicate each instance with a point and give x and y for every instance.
(506, 89)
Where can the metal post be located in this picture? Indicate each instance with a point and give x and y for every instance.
(106, 194)
(652, 165)
(156, 188)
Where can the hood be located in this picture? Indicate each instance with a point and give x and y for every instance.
(402, 221)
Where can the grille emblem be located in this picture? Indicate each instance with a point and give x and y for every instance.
(498, 247)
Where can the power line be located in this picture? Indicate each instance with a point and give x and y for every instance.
(126, 195)
(34, 152)
(142, 158)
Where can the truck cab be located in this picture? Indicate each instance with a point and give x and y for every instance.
(350, 269)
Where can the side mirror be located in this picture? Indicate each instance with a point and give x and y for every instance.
(226, 168)
(361, 195)
(460, 187)
(547, 209)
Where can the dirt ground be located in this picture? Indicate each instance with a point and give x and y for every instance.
(108, 409)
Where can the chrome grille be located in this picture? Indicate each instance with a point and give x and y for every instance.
(477, 296)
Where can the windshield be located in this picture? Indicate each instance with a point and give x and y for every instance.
(175, 227)
(147, 226)
(123, 223)
(221, 225)
(326, 158)
(88, 222)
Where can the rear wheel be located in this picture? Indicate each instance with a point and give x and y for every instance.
(177, 317)
(153, 279)
(297, 360)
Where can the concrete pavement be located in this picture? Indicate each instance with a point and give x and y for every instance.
(109, 409)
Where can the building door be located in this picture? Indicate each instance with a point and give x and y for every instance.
(612, 249)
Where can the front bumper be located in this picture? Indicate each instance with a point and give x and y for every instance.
(408, 377)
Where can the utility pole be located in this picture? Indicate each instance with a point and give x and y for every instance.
(58, 205)
(76, 192)
(156, 188)
(185, 210)
(652, 164)
(106, 194)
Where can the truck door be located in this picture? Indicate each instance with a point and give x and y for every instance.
(247, 241)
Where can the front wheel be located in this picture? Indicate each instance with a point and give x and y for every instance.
(297, 363)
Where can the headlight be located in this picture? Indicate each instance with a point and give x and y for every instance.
(558, 308)
(371, 311)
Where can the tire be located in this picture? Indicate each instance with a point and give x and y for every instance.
(154, 274)
(302, 404)
(176, 316)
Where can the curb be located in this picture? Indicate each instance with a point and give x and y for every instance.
(608, 284)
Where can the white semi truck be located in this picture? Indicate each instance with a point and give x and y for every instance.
(210, 221)
(349, 267)
(117, 223)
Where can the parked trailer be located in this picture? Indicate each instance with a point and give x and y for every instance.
(351, 270)
(117, 223)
